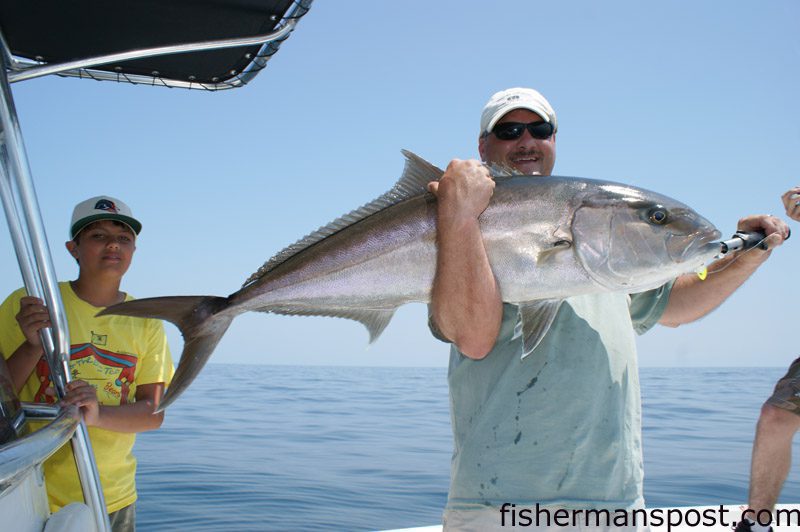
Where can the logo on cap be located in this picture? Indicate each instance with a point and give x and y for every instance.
(106, 205)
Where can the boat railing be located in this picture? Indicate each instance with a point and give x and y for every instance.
(20, 455)
(38, 274)
(21, 24)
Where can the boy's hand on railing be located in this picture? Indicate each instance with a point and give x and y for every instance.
(83, 395)
(33, 317)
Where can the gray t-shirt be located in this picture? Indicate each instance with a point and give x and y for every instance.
(561, 427)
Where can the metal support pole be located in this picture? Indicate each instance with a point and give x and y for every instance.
(22, 212)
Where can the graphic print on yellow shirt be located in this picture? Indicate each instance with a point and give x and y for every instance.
(110, 373)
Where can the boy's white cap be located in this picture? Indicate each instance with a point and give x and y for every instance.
(503, 102)
(102, 208)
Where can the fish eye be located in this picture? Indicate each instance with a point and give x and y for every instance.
(658, 216)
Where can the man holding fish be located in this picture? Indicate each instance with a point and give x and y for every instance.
(502, 262)
(545, 396)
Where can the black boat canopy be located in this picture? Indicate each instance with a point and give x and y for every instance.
(59, 31)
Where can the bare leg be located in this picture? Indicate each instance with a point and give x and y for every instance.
(772, 456)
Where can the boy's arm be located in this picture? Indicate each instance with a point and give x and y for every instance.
(135, 417)
(32, 317)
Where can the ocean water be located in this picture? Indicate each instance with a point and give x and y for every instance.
(251, 448)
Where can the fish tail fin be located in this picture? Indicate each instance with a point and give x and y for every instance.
(200, 323)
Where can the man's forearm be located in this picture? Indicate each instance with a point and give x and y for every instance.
(465, 298)
(692, 298)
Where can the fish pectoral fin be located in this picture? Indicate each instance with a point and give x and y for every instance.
(561, 241)
(555, 247)
(537, 317)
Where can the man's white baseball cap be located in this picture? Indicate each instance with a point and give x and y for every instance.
(503, 102)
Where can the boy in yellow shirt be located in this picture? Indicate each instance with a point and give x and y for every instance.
(119, 365)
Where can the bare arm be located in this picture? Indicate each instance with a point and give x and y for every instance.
(691, 298)
(134, 417)
(32, 317)
(465, 299)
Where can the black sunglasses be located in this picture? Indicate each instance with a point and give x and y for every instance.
(514, 130)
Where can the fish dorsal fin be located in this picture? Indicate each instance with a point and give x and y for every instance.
(501, 170)
(416, 175)
(537, 317)
(375, 320)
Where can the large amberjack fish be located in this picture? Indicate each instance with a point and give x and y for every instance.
(547, 238)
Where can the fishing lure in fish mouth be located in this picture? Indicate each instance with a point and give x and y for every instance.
(702, 273)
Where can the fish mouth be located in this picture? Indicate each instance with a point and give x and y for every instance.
(704, 246)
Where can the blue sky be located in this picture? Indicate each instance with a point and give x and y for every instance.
(697, 100)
